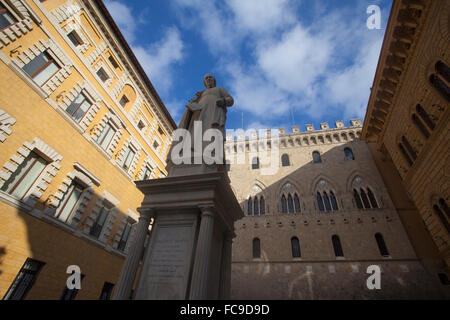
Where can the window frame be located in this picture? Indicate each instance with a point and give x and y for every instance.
(19, 279)
(79, 106)
(42, 68)
(10, 12)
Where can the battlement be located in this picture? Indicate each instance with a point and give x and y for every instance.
(310, 130)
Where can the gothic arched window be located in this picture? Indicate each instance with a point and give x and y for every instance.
(249, 207)
(381, 245)
(425, 117)
(357, 199)
(285, 160)
(256, 207)
(373, 201)
(420, 126)
(440, 85)
(405, 154)
(290, 204)
(349, 154)
(262, 206)
(409, 147)
(256, 248)
(297, 204)
(320, 202)
(334, 204)
(295, 245)
(365, 199)
(316, 157)
(443, 70)
(441, 217)
(338, 252)
(327, 201)
(283, 204)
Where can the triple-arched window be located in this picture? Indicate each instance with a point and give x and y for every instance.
(365, 199)
(290, 204)
(326, 201)
(256, 206)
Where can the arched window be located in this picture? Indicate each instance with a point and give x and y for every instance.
(425, 117)
(297, 204)
(440, 85)
(443, 70)
(285, 160)
(445, 207)
(290, 204)
(405, 154)
(256, 207)
(373, 201)
(316, 157)
(256, 248)
(338, 252)
(262, 206)
(327, 201)
(409, 147)
(420, 126)
(381, 245)
(249, 206)
(255, 163)
(349, 154)
(283, 204)
(333, 201)
(357, 199)
(295, 245)
(441, 217)
(365, 199)
(320, 202)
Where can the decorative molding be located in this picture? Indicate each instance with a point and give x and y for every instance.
(6, 121)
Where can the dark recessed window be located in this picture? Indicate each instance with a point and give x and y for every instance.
(381, 245)
(99, 223)
(283, 204)
(337, 246)
(349, 154)
(75, 38)
(24, 280)
(124, 100)
(316, 157)
(6, 18)
(256, 248)
(295, 245)
(125, 235)
(102, 74)
(255, 163)
(70, 294)
(106, 291)
(285, 160)
(113, 62)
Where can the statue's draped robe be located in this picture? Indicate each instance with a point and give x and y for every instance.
(204, 108)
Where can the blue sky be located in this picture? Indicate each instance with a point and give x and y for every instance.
(285, 62)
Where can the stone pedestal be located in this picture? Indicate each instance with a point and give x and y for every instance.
(189, 253)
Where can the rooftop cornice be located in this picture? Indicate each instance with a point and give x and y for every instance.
(405, 23)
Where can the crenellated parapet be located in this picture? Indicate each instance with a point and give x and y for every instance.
(295, 138)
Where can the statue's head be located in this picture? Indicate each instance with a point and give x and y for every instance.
(209, 81)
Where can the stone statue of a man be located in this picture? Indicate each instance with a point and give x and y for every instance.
(208, 106)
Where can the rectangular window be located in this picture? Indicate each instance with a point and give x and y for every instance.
(127, 158)
(125, 235)
(106, 291)
(75, 38)
(70, 294)
(147, 174)
(124, 100)
(69, 202)
(25, 176)
(41, 68)
(113, 62)
(6, 19)
(78, 108)
(106, 136)
(24, 280)
(97, 227)
(102, 74)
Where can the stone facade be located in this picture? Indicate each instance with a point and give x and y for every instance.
(407, 124)
(318, 273)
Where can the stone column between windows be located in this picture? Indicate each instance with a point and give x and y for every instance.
(131, 264)
(225, 272)
(199, 282)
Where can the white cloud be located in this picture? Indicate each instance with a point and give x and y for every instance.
(158, 58)
(123, 17)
